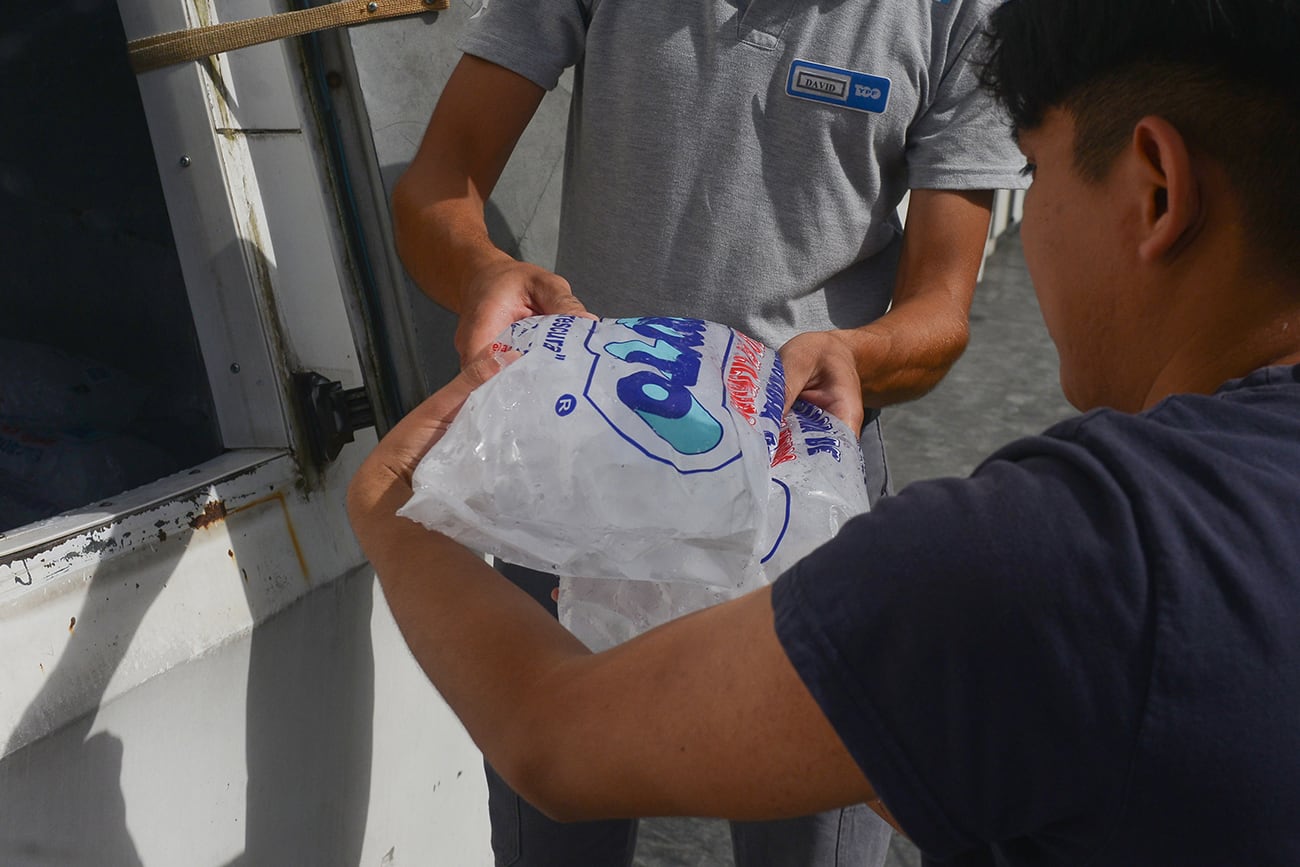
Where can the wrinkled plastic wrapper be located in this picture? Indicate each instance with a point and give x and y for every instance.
(644, 460)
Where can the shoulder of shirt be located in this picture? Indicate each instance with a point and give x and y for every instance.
(1099, 443)
(1098, 431)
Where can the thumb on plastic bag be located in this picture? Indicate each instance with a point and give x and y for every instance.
(421, 429)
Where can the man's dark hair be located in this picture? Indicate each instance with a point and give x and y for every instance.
(1225, 73)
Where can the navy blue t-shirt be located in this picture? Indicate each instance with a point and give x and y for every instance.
(1086, 653)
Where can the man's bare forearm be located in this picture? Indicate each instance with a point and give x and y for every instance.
(442, 242)
(438, 221)
(482, 641)
(905, 353)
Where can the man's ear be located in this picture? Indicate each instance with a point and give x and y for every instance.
(1172, 208)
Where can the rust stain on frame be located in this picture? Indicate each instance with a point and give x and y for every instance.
(214, 512)
(288, 526)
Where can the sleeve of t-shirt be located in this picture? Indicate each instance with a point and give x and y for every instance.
(537, 39)
(978, 645)
(962, 140)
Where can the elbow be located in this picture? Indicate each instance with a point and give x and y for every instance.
(564, 807)
(554, 761)
(949, 337)
(958, 338)
(543, 778)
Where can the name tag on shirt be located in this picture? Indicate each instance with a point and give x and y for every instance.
(834, 86)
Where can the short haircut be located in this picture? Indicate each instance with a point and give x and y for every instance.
(1225, 73)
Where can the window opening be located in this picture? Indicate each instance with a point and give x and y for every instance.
(102, 388)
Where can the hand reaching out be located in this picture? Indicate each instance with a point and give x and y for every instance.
(506, 292)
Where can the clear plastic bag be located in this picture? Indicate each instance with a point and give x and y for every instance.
(816, 485)
(649, 457)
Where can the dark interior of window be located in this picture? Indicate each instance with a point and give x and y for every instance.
(102, 387)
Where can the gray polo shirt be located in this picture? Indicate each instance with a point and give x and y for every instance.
(744, 165)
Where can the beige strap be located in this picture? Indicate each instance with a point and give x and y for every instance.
(154, 52)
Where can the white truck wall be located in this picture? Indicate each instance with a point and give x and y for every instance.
(297, 743)
(202, 671)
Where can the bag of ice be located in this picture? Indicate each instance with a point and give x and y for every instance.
(646, 455)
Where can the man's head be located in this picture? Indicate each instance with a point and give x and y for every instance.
(1196, 99)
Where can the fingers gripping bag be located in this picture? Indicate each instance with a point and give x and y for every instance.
(634, 448)
(816, 484)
